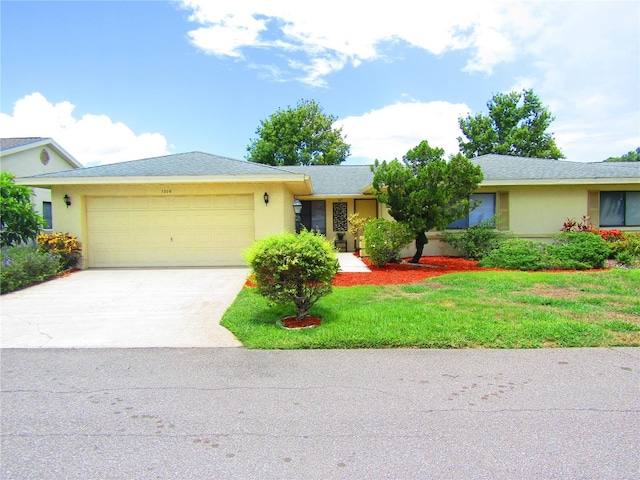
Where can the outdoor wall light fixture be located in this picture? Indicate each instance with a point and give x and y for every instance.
(266, 198)
(297, 209)
(67, 200)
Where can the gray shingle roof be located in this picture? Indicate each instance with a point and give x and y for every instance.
(9, 143)
(336, 179)
(504, 167)
(182, 164)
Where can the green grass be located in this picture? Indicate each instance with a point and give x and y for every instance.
(462, 310)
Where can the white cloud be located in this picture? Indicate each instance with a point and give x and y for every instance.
(331, 34)
(91, 139)
(391, 131)
(580, 57)
(587, 72)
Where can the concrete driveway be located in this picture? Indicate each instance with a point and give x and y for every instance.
(123, 308)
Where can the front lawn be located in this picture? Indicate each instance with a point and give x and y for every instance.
(492, 309)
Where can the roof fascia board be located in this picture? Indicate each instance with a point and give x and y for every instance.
(134, 180)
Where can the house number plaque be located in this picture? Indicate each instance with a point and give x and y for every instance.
(166, 190)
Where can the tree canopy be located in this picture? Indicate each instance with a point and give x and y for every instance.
(425, 191)
(632, 156)
(298, 136)
(517, 124)
(19, 222)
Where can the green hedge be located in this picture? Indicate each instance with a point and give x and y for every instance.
(23, 266)
(570, 251)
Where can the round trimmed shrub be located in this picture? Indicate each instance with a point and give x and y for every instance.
(296, 268)
(384, 239)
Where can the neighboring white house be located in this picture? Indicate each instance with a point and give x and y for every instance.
(24, 157)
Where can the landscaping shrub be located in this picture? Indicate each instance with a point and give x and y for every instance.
(62, 244)
(576, 248)
(626, 248)
(384, 240)
(573, 225)
(23, 266)
(571, 251)
(293, 268)
(477, 241)
(516, 254)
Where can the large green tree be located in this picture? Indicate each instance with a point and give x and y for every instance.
(517, 124)
(298, 136)
(632, 156)
(425, 191)
(19, 222)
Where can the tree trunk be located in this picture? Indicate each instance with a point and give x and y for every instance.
(421, 241)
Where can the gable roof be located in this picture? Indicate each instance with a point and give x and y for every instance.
(505, 168)
(9, 146)
(182, 164)
(336, 180)
(178, 168)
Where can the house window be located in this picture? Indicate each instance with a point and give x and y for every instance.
(484, 211)
(313, 216)
(619, 209)
(44, 157)
(46, 214)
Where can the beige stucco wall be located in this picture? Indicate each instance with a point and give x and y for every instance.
(535, 212)
(27, 162)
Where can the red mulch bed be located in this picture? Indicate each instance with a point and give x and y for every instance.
(399, 273)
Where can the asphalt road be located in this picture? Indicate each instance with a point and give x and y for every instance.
(235, 413)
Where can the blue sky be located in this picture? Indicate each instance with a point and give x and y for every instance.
(120, 80)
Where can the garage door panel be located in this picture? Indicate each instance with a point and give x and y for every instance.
(181, 203)
(201, 203)
(169, 231)
(159, 203)
(140, 203)
(140, 219)
(181, 219)
(242, 202)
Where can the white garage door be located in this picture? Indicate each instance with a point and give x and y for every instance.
(171, 231)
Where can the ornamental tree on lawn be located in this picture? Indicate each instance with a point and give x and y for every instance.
(293, 268)
(426, 191)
